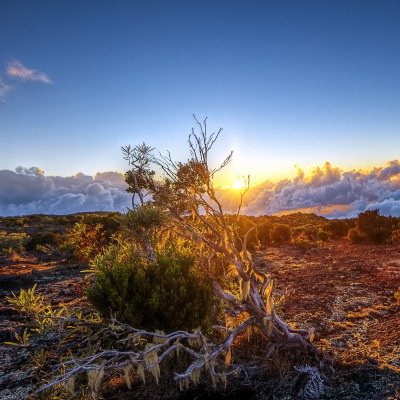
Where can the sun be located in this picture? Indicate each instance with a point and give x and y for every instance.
(238, 184)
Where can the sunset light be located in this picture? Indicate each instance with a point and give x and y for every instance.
(238, 184)
(206, 196)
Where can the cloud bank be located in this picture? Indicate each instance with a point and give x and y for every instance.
(331, 192)
(29, 191)
(325, 190)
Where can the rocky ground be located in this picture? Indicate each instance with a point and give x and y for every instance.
(346, 291)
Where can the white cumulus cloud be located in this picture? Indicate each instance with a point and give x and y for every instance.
(29, 191)
(325, 190)
(330, 191)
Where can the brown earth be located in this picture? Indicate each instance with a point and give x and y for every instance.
(346, 291)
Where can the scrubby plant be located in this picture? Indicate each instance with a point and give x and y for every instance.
(302, 243)
(323, 235)
(264, 227)
(374, 227)
(86, 240)
(143, 223)
(169, 294)
(244, 224)
(43, 239)
(354, 236)
(281, 233)
(27, 301)
(109, 220)
(338, 228)
(13, 242)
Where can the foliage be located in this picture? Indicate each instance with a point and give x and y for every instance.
(43, 239)
(264, 227)
(302, 243)
(87, 240)
(397, 295)
(109, 220)
(169, 294)
(374, 227)
(13, 242)
(143, 224)
(323, 235)
(281, 233)
(354, 236)
(337, 228)
(27, 301)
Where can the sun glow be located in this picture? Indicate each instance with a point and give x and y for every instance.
(239, 184)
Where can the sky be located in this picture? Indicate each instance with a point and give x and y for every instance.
(307, 93)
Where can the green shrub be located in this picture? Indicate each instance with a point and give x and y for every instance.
(168, 295)
(302, 243)
(337, 228)
(110, 221)
(13, 242)
(42, 239)
(353, 236)
(264, 231)
(323, 235)
(281, 233)
(374, 227)
(86, 240)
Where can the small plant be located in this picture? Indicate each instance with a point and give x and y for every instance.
(41, 240)
(27, 301)
(281, 233)
(302, 243)
(397, 295)
(323, 235)
(87, 240)
(354, 236)
(22, 341)
(13, 242)
(374, 227)
(337, 228)
(169, 294)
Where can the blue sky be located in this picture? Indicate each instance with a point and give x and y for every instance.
(291, 82)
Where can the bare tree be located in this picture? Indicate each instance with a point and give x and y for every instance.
(187, 193)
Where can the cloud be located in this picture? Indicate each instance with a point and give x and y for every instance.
(4, 89)
(29, 191)
(325, 190)
(16, 70)
(330, 191)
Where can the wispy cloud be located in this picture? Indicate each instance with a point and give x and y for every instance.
(4, 89)
(16, 70)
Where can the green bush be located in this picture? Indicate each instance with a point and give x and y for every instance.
(323, 235)
(42, 239)
(374, 227)
(245, 226)
(338, 228)
(13, 242)
(264, 231)
(353, 236)
(86, 240)
(302, 243)
(281, 233)
(168, 295)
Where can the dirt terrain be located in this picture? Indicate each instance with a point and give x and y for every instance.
(346, 291)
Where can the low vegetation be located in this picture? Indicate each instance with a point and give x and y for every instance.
(178, 297)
